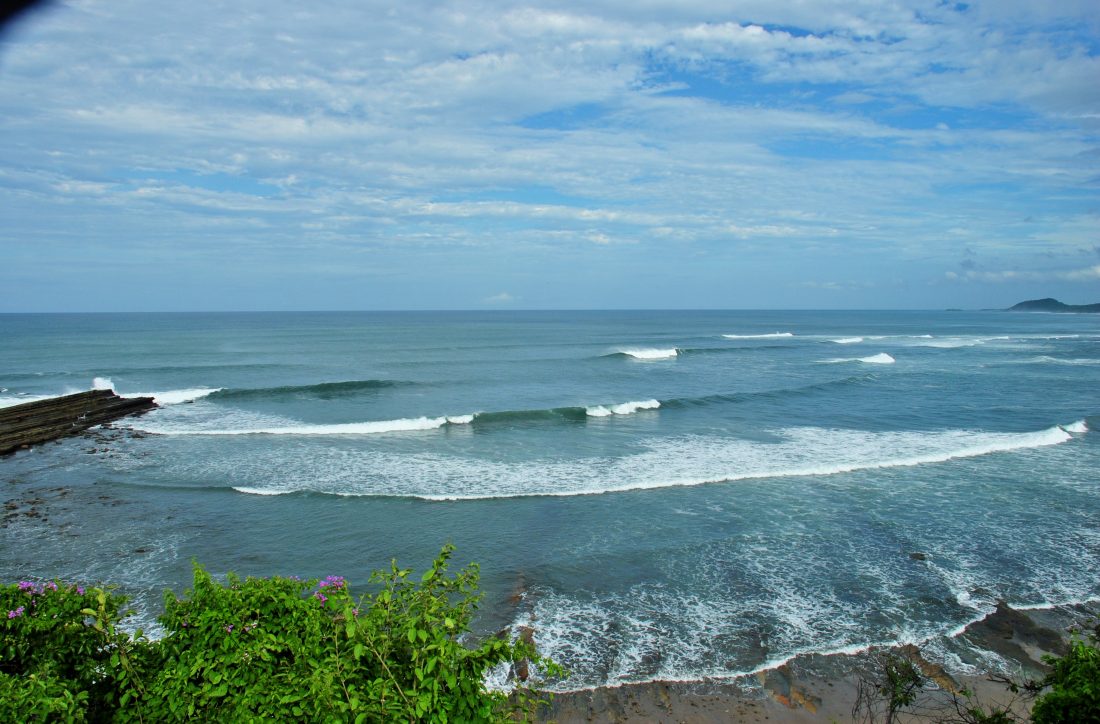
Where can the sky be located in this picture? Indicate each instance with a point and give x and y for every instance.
(801, 154)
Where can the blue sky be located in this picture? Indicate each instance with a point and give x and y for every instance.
(605, 154)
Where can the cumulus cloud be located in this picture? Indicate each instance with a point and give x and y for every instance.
(409, 138)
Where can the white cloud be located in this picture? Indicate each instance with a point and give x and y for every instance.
(689, 128)
(1086, 274)
(501, 298)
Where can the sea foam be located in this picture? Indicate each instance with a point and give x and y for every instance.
(175, 397)
(7, 401)
(802, 452)
(350, 428)
(626, 408)
(881, 358)
(646, 353)
(773, 335)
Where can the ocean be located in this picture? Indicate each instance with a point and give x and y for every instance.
(667, 495)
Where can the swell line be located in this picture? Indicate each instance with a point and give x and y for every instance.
(322, 390)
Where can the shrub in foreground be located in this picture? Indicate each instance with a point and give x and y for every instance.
(276, 648)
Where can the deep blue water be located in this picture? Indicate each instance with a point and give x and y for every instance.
(675, 494)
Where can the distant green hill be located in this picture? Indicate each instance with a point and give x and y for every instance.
(1052, 305)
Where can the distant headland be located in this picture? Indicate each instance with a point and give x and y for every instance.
(1052, 305)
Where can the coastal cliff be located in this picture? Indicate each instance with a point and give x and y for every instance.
(33, 423)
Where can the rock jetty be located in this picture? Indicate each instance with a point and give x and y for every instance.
(37, 422)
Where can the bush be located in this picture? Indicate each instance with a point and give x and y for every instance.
(251, 649)
(1074, 683)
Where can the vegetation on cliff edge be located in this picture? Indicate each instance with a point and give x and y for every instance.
(261, 648)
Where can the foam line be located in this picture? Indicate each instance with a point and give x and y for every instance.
(647, 353)
(351, 428)
(175, 397)
(804, 452)
(773, 335)
(626, 408)
(878, 359)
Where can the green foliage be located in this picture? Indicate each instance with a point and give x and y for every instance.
(1074, 683)
(261, 649)
(60, 654)
(893, 686)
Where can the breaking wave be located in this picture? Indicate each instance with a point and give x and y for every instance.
(773, 335)
(348, 428)
(802, 452)
(19, 399)
(1046, 359)
(253, 425)
(626, 408)
(645, 353)
(878, 359)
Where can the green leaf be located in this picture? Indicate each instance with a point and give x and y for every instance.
(412, 635)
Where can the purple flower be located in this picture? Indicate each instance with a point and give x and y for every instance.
(229, 628)
(334, 581)
(16, 613)
(26, 585)
(80, 590)
(50, 585)
(320, 596)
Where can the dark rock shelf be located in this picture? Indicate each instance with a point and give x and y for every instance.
(37, 422)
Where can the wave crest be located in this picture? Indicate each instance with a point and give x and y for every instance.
(773, 335)
(881, 358)
(800, 452)
(626, 408)
(647, 353)
(322, 390)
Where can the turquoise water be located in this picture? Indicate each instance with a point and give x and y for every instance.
(662, 495)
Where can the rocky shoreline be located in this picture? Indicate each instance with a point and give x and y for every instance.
(825, 688)
(34, 423)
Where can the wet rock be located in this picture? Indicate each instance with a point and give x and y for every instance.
(918, 556)
(931, 670)
(780, 685)
(1015, 636)
(526, 634)
(33, 423)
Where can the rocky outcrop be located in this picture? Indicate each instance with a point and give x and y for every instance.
(36, 422)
